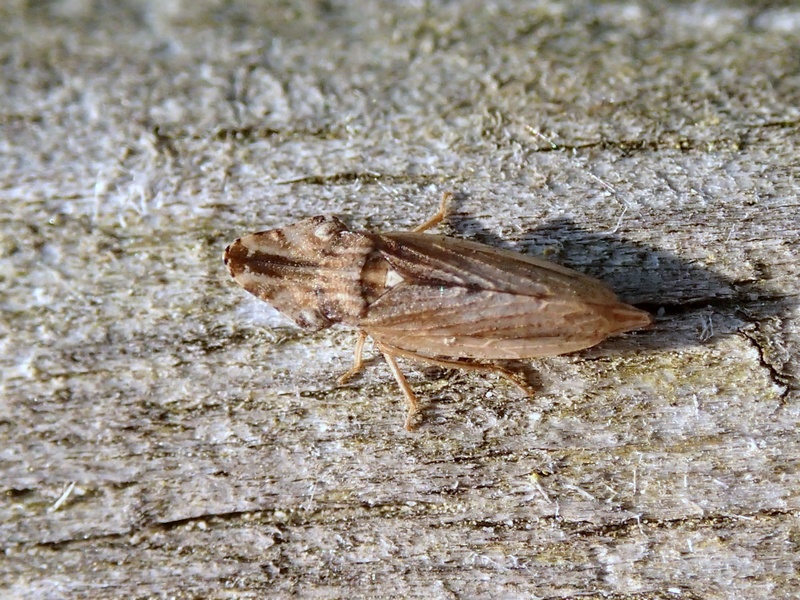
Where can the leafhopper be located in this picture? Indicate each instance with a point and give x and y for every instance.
(432, 298)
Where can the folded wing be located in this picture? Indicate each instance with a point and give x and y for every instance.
(461, 299)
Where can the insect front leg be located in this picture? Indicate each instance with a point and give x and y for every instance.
(439, 216)
(358, 361)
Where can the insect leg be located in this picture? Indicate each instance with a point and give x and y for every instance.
(467, 366)
(439, 216)
(411, 398)
(358, 362)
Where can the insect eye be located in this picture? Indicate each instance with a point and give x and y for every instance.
(310, 320)
(326, 231)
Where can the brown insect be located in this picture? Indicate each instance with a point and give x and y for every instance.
(427, 297)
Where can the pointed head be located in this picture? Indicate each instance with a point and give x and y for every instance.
(285, 267)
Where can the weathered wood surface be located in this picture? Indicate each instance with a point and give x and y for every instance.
(164, 434)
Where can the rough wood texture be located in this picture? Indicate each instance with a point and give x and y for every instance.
(164, 434)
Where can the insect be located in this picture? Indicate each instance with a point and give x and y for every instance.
(450, 302)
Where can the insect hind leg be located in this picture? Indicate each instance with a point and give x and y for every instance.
(513, 377)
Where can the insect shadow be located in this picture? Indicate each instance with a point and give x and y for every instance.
(692, 303)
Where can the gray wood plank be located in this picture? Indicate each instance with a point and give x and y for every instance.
(164, 434)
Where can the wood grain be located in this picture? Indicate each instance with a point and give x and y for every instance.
(164, 436)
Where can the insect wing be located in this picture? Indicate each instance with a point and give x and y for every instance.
(429, 258)
(462, 299)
